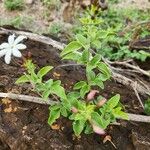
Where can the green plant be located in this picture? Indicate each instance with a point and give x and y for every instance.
(55, 28)
(147, 107)
(87, 116)
(44, 89)
(88, 113)
(52, 3)
(105, 28)
(14, 4)
(18, 21)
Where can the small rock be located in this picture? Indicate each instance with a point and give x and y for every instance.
(29, 1)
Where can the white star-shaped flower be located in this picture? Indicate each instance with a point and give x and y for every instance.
(12, 47)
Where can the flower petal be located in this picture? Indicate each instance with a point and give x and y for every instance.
(8, 57)
(16, 52)
(19, 39)
(4, 45)
(11, 39)
(3, 52)
(20, 46)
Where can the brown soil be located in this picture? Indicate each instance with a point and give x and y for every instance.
(23, 125)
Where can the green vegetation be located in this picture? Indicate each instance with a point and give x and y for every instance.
(114, 41)
(147, 107)
(55, 29)
(52, 3)
(88, 113)
(18, 22)
(14, 4)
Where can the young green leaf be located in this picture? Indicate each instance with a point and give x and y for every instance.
(71, 47)
(72, 56)
(46, 94)
(85, 56)
(85, 89)
(99, 83)
(79, 85)
(113, 102)
(58, 90)
(95, 60)
(78, 126)
(147, 107)
(88, 129)
(22, 79)
(81, 39)
(44, 71)
(64, 112)
(104, 69)
(120, 114)
(97, 119)
(54, 114)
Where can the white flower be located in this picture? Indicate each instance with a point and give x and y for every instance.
(12, 47)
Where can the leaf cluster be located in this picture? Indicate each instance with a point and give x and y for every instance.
(44, 88)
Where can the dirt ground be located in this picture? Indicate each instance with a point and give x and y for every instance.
(23, 125)
(37, 18)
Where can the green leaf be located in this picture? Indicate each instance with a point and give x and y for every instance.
(72, 117)
(104, 69)
(85, 56)
(71, 47)
(58, 90)
(85, 89)
(46, 94)
(40, 87)
(54, 114)
(102, 34)
(64, 112)
(98, 119)
(78, 126)
(91, 75)
(44, 71)
(73, 95)
(102, 77)
(147, 107)
(81, 39)
(88, 129)
(22, 79)
(99, 82)
(113, 102)
(97, 44)
(120, 114)
(79, 85)
(79, 116)
(73, 56)
(95, 60)
(49, 83)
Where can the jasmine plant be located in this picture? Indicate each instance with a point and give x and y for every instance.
(88, 113)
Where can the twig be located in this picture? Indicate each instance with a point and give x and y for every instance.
(28, 98)
(34, 37)
(139, 118)
(128, 82)
(137, 68)
(137, 95)
(132, 117)
(67, 65)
